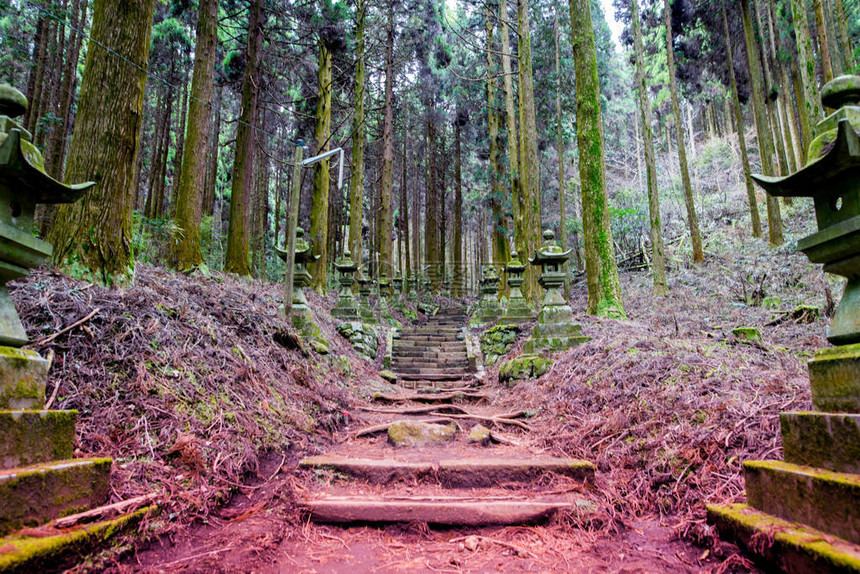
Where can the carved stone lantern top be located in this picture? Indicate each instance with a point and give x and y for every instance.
(345, 265)
(831, 178)
(23, 184)
(550, 254)
(515, 266)
(304, 250)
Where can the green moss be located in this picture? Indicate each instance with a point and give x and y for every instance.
(33, 554)
(747, 333)
(523, 368)
(31, 437)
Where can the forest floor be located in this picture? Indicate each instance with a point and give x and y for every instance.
(195, 389)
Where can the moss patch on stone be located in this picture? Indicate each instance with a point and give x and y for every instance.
(363, 338)
(28, 554)
(523, 368)
(822, 440)
(31, 437)
(834, 375)
(751, 334)
(23, 378)
(497, 342)
(410, 433)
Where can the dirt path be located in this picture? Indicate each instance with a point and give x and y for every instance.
(275, 527)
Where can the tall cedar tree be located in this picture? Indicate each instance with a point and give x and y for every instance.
(510, 114)
(811, 104)
(238, 234)
(92, 238)
(689, 203)
(739, 123)
(356, 182)
(527, 222)
(762, 126)
(320, 198)
(189, 195)
(604, 289)
(386, 255)
(657, 256)
(501, 247)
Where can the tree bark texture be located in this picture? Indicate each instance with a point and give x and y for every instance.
(356, 182)
(320, 197)
(92, 238)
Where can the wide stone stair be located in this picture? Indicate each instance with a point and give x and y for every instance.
(435, 351)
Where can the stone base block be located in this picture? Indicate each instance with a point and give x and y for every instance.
(31, 437)
(822, 440)
(826, 500)
(42, 554)
(346, 310)
(553, 337)
(834, 375)
(783, 546)
(34, 495)
(23, 378)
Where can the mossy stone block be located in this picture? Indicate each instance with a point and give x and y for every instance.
(497, 341)
(834, 375)
(31, 437)
(787, 547)
(24, 554)
(37, 494)
(413, 433)
(747, 333)
(822, 499)
(523, 368)
(822, 440)
(388, 376)
(23, 378)
(479, 434)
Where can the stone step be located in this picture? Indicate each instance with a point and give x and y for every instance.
(428, 353)
(822, 440)
(44, 553)
(795, 547)
(31, 437)
(454, 473)
(431, 372)
(425, 337)
(431, 378)
(823, 499)
(449, 511)
(36, 494)
(424, 344)
(429, 363)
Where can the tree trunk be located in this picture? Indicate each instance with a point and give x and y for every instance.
(527, 218)
(238, 259)
(457, 285)
(356, 182)
(845, 38)
(190, 188)
(692, 218)
(658, 259)
(212, 170)
(823, 44)
(562, 216)
(501, 249)
(180, 144)
(806, 64)
(765, 142)
(739, 122)
(320, 198)
(404, 208)
(92, 238)
(431, 221)
(386, 267)
(510, 116)
(604, 290)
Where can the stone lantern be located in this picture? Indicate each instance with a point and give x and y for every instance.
(346, 307)
(365, 310)
(518, 310)
(301, 317)
(398, 284)
(808, 506)
(413, 288)
(488, 308)
(556, 329)
(23, 184)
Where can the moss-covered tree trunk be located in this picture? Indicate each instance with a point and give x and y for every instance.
(527, 217)
(92, 238)
(559, 144)
(457, 284)
(386, 262)
(431, 220)
(739, 122)
(845, 39)
(501, 248)
(762, 125)
(190, 190)
(806, 66)
(319, 199)
(406, 262)
(689, 203)
(604, 290)
(356, 182)
(238, 233)
(510, 112)
(772, 101)
(823, 44)
(658, 259)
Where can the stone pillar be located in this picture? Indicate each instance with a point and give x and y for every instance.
(487, 309)
(365, 309)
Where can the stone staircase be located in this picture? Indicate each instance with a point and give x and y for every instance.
(47, 498)
(435, 351)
